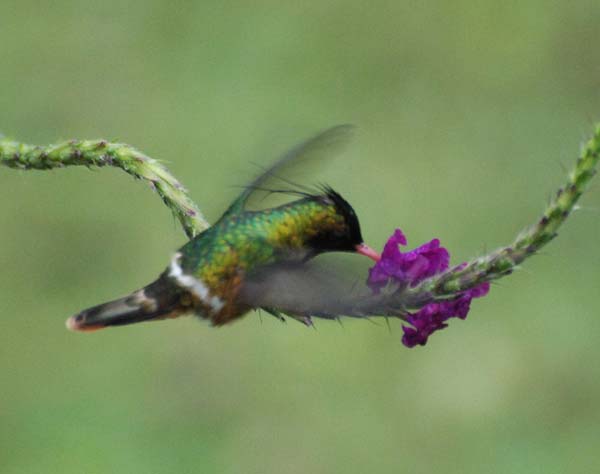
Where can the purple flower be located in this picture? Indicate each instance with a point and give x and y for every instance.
(433, 316)
(410, 268)
(427, 320)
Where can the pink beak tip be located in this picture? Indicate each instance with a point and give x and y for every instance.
(367, 251)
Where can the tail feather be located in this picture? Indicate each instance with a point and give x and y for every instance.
(159, 300)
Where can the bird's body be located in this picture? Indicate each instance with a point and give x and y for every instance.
(223, 255)
(210, 275)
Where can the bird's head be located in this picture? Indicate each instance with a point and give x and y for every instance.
(341, 230)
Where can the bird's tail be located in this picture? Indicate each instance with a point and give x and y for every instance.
(159, 300)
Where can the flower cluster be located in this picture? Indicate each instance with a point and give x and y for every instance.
(410, 268)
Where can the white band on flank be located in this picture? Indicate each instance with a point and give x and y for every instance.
(193, 284)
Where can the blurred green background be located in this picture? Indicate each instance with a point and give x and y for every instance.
(468, 115)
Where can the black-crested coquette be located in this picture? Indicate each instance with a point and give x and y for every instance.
(251, 259)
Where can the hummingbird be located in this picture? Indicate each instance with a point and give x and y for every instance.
(259, 259)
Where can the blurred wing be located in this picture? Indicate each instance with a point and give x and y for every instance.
(316, 148)
(314, 290)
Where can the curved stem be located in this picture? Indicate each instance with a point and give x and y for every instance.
(504, 260)
(98, 153)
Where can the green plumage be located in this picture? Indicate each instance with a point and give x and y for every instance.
(258, 236)
(239, 242)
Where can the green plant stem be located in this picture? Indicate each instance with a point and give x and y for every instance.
(99, 153)
(504, 260)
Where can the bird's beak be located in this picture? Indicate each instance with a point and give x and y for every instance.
(367, 251)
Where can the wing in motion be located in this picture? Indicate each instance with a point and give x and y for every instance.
(321, 146)
(311, 289)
